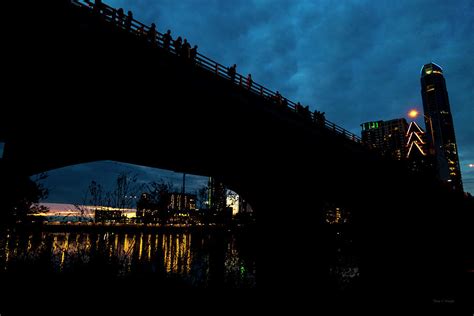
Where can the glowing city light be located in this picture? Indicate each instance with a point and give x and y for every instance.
(471, 165)
(413, 113)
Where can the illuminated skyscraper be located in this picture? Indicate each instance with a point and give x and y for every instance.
(439, 122)
(217, 197)
(388, 137)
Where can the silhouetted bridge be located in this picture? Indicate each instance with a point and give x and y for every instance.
(157, 38)
(90, 68)
(85, 87)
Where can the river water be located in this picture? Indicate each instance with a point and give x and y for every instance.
(176, 259)
(179, 258)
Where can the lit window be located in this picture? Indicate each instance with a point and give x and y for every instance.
(430, 87)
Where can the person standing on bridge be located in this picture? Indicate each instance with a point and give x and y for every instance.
(185, 49)
(278, 98)
(231, 71)
(177, 45)
(298, 107)
(98, 6)
(307, 112)
(249, 81)
(167, 40)
(128, 20)
(152, 33)
(193, 53)
(322, 118)
(319, 118)
(120, 17)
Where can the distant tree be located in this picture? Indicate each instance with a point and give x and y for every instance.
(40, 193)
(160, 193)
(21, 195)
(122, 196)
(96, 194)
(160, 196)
(93, 197)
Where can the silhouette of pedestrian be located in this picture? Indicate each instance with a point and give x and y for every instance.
(319, 118)
(120, 17)
(113, 16)
(152, 33)
(193, 53)
(128, 21)
(306, 112)
(98, 6)
(185, 49)
(249, 81)
(231, 71)
(177, 45)
(167, 40)
(298, 107)
(278, 98)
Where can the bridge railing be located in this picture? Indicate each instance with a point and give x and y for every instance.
(111, 15)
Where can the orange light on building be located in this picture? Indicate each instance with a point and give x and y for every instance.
(413, 113)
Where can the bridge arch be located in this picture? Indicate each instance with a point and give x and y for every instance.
(91, 171)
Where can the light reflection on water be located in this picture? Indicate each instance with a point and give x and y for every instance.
(195, 259)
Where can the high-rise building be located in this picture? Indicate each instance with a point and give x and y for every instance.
(217, 195)
(388, 137)
(147, 210)
(439, 123)
(182, 202)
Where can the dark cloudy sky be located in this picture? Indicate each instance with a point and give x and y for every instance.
(355, 60)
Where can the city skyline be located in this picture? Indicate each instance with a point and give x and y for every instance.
(369, 53)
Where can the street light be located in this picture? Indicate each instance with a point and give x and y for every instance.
(413, 113)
